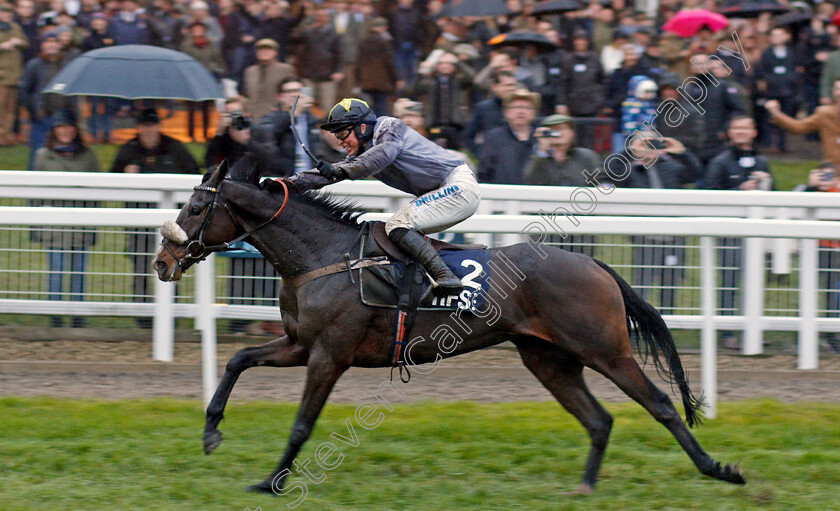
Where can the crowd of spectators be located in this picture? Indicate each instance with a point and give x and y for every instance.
(593, 80)
(608, 65)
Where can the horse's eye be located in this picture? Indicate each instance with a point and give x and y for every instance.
(195, 210)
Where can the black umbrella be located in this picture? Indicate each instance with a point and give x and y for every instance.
(793, 19)
(752, 9)
(522, 38)
(475, 8)
(557, 7)
(136, 72)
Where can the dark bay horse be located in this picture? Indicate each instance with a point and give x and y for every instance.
(563, 311)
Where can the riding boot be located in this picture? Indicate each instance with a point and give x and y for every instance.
(415, 245)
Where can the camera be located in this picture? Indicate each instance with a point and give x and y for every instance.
(548, 134)
(657, 143)
(828, 169)
(238, 121)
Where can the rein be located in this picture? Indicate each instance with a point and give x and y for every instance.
(196, 249)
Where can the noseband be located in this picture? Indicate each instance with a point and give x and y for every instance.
(195, 247)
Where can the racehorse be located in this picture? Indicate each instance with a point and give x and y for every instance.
(563, 311)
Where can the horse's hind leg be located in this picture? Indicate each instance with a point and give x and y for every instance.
(562, 375)
(627, 374)
(280, 352)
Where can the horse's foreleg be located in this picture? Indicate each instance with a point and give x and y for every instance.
(321, 375)
(563, 377)
(280, 352)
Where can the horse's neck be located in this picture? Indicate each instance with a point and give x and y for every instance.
(302, 239)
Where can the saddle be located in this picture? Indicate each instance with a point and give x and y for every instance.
(377, 230)
(383, 285)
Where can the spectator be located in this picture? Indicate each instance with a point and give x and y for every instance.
(129, 25)
(12, 43)
(351, 30)
(102, 108)
(554, 68)
(99, 35)
(776, 79)
(739, 167)
(25, 17)
(613, 54)
(148, 153)
(202, 49)
(603, 20)
(378, 76)
(244, 26)
(443, 92)
(720, 103)
(320, 60)
(660, 163)
(830, 72)
(639, 108)
(200, 11)
(558, 162)
(825, 179)
(690, 130)
(252, 279)
(825, 120)
(813, 50)
(66, 152)
(505, 59)
(488, 114)
(411, 113)
(407, 30)
(37, 73)
(166, 24)
(279, 23)
(262, 80)
(507, 148)
(584, 86)
(276, 143)
(233, 137)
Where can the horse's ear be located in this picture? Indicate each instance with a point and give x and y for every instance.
(215, 174)
(219, 174)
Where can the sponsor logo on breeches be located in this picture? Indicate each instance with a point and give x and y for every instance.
(446, 192)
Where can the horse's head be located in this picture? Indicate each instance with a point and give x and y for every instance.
(204, 225)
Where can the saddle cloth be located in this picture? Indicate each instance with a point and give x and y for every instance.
(379, 286)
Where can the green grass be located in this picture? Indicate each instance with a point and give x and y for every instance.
(126, 455)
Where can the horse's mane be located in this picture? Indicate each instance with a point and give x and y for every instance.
(248, 169)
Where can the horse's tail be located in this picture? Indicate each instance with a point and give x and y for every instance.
(648, 325)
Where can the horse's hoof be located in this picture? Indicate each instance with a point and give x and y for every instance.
(583, 489)
(732, 474)
(263, 487)
(212, 439)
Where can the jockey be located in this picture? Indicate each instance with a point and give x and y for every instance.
(386, 148)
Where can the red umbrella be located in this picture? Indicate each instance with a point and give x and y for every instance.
(687, 23)
(835, 20)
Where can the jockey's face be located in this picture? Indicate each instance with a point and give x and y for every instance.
(351, 144)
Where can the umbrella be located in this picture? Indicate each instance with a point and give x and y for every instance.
(687, 23)
(522, 38)
(752, 9)
(792, 19)
(136, 72)
(557, 7)
(475, 8)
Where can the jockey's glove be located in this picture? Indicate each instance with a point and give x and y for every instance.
(330, 171)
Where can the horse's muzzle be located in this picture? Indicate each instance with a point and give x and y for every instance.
(167, 271)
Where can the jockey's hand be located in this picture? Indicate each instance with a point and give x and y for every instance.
(329, 171)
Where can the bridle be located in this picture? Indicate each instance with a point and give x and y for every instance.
(196, 250)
